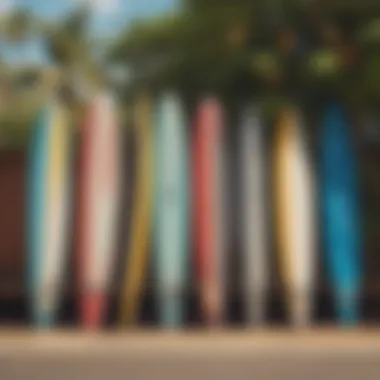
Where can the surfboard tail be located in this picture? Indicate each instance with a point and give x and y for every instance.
(130, 308)
(347, 308)
(212, 304)
(255, 307)
(44, 309)
(43, 320)
(301, 309)
(171, 309)
(93, 310)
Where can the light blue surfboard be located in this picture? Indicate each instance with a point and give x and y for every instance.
(48, 190)
(171, 222)
(341, 219)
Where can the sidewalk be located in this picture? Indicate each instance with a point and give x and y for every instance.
(320, 354)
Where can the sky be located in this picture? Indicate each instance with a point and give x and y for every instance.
(109, 15)
(109, 18)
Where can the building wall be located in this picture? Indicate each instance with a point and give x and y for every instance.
(12, 222)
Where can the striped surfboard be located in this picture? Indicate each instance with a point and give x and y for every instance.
(49, 193)
(99, 196)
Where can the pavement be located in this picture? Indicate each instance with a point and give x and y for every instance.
(272, 355)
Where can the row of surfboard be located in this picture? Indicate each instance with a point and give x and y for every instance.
(180, 196)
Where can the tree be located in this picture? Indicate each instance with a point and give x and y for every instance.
(25, 90)
(250, 47)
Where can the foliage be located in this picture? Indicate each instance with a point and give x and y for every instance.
(24, 91)
(253, 48)
(271, 49)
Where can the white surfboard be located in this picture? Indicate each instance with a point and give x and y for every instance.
(253, 216)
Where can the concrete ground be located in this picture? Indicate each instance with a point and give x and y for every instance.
(260, 355)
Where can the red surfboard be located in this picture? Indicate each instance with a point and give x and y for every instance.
(209, 209)
(99, 185)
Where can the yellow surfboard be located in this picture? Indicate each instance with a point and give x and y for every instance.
(142, 210)
(295, 215)
(58, 192)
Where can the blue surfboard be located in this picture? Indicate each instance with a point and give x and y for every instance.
(341, 219)
(171, 203)
(36, 194)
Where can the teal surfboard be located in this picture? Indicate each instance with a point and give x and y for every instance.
(171, 222)
(48, 211)
(341, 214)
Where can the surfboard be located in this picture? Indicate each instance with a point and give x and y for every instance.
(253, 215)
(142, 214)
(99, 196)
(48, 212)
(209, 206)
(342, 235)
(171, 222)
(295, 209)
